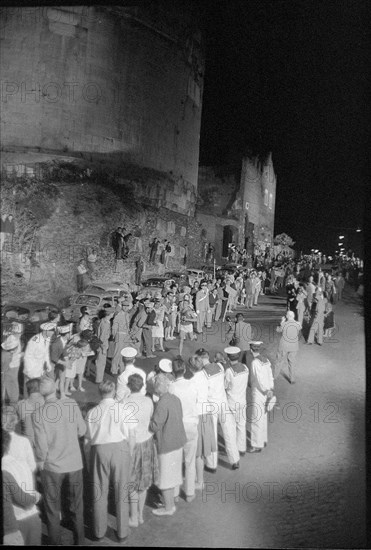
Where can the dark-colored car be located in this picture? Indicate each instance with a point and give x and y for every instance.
(180, 277)
(154, 285)
(28, 314)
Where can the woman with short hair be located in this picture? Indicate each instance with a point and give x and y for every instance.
(167, 425)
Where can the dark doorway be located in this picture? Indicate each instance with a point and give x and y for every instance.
(229, 234)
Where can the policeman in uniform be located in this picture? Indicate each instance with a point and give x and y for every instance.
(37, 353)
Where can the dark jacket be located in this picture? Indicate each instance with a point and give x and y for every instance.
(167, 424)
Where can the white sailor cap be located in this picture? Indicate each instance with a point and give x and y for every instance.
(256, 343)
(48, 326)
(63, 329)
(232, 350)
(165, 365)
(129, 352)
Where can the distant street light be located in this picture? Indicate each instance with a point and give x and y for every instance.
(358, 230)
(341, 236)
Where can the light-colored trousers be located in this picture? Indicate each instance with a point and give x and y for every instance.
(291, 362)
(110, 462)
(259, 419)
(221, 413)
(100, 365)
(189, 457)
(218, 310)
(122, 339)
(201, 317)
(256, 295)
(316, 329)
(239, 414)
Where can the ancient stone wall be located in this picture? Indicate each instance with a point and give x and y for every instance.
(82, 215)
(118, 85)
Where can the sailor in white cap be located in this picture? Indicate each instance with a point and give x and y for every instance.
(165, 367)
(37, 353)
(261, 389)
(128, 359)
(218, 408)
(235, 379)
(10, 362)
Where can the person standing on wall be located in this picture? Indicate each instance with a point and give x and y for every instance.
(168, 249)
(153, 252)
(139, 268)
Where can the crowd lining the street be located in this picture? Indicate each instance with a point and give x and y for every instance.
(146, 426)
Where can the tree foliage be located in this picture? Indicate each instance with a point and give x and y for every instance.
(284, 240)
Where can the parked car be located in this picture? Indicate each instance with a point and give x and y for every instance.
(154, 285)
(94, 300)
(116, 288)
(28, 314)
(180, 277)
(195, 275)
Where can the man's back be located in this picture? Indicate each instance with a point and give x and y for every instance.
(57, 427)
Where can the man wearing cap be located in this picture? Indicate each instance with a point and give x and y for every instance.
(261, 389)
(37, 353)
(10, 361)
(318, 318)
(57, 428)
(120, 333)
(235, 379)
(202, 306)
(217, 406)
(57, 348)
(128, 358)
(288, 345)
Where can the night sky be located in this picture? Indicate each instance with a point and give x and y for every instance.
(291, 77)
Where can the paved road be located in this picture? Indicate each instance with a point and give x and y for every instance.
(307, 488)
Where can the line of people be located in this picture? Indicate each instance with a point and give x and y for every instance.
(138, 435)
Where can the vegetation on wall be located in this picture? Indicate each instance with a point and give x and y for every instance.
(31, 200)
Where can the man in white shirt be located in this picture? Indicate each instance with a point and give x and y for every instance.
(218, 407)
(236, 378)
(187, 393)
(111, 443)
(37, 352)
(128, 359)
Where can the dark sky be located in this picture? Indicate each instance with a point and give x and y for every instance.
(291, 77)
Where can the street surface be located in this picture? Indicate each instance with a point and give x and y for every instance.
(307, 487)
